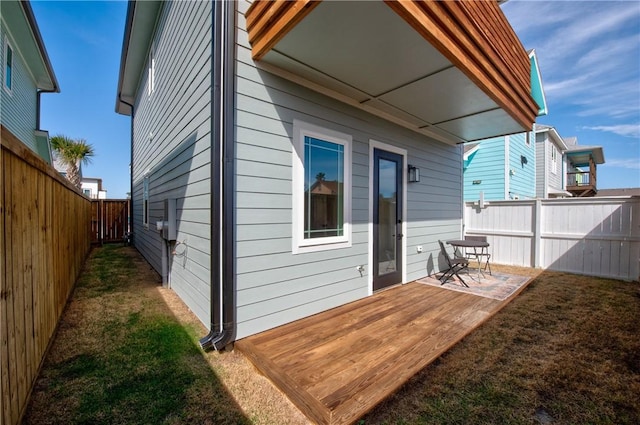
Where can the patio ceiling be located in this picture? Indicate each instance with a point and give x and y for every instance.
(453, 71)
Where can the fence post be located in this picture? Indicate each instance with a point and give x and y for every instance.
(537, 236)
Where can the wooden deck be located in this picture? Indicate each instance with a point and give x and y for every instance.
(337, 365)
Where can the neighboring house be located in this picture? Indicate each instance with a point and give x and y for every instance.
(272, 143)
(61, 167)
(563, 168)
(500, 168)
(504, 167)
(92, 187)
(26, 74)
(581, 163)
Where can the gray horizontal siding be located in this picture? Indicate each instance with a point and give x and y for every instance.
(172, 142)
(276, 286)
(18, 107)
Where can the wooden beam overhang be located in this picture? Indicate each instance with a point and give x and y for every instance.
(269, 21)
(473, 36)
(477, 38)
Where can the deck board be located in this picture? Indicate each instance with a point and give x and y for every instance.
(337, 365)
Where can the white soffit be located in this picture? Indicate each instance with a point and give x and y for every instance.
(368, 53)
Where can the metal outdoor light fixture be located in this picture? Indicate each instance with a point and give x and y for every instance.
(414, 174)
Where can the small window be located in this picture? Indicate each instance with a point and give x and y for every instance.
(151, 84)
(145, 202)
(8, 66)
(87, 192)
(554, 159)
(322, 189)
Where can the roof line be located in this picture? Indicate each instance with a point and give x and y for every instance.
(28, 11)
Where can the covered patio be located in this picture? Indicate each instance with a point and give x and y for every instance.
(337, 365)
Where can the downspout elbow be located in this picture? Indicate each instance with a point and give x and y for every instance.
(217, 340)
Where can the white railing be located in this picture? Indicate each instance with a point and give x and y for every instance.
(591, 236)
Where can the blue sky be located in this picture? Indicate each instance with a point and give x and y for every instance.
(589, 56)
(84, 42)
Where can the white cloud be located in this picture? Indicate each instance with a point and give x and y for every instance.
(632, 164)
(587, 51)
(626, 130)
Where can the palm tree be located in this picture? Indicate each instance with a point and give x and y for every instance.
(72, 153)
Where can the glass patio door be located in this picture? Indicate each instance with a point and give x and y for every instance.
(387, 218)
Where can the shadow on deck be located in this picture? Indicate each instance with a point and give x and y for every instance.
(337, 365)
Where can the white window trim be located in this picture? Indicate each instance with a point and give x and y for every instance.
(151, 76)
(299, 243)
(554, 159)
(7, 45)
(145, 197)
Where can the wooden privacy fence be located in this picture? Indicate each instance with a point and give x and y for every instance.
(44, 241)
(109, 220)
(591, 236)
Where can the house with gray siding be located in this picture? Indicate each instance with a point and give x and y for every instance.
(564, 168)
(272, 143)
(26, 74)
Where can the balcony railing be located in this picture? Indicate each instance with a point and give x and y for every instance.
(582, 183)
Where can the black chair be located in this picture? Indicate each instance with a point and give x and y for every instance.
(456, 265)
(482, 255)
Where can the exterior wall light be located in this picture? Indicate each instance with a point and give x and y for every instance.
(414, 174)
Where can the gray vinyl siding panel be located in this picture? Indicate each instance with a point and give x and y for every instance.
(172, 143)
(18, 106)
(274, 286)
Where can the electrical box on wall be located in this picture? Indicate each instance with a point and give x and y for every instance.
(169, 227)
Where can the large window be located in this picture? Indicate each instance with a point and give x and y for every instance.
(8, 66)
(322, 188)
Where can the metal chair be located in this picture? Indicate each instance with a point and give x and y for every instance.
(480, 255)
(456, 264)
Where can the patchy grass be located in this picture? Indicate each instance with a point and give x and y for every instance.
(127, 352)
(566, 351)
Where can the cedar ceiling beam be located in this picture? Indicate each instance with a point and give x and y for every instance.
(269, 21)
(470, 45)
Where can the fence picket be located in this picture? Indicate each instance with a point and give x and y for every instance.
(594, 236)
(44, 240)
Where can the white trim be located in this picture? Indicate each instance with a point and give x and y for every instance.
(145, 197)
(507, 166)
(300, 245)
(374, 144)
(151, 67)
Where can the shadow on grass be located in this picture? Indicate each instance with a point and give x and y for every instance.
(120, 355)
(565, 351)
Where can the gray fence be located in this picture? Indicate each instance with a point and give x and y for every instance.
(591, 236)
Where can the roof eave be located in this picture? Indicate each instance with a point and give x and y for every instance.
(139, 25)
(21, 23)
